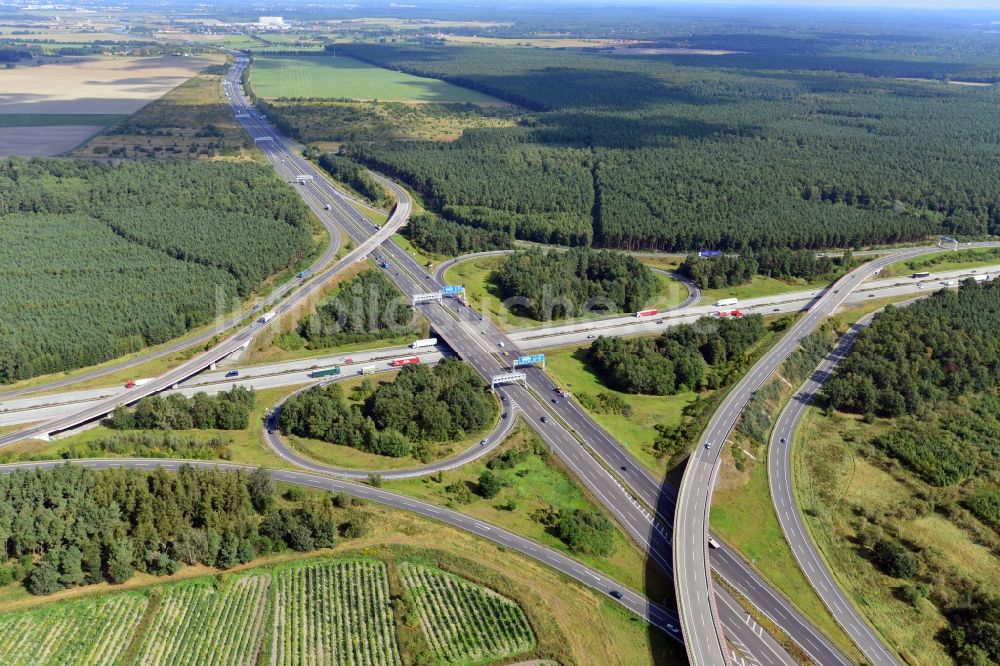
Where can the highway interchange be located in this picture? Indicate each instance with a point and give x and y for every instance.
(644, 506)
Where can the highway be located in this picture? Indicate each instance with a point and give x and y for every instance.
(640, 503)
(797, 301)
(266, 376)
(779, 471)
(706, 642)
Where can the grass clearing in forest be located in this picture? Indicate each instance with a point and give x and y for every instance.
(342, 77)
(534, 491)
(568, 368)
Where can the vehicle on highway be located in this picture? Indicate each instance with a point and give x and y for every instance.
(624, 468)
(270, 431)
(233, 373)
(616, 594)
(782, 440)
(504, 415)
(708, 445)
(544, 420)
(500, 344)
(712, 543)
(482, 442)
(776, 310)
(326, 207)
(591, 337)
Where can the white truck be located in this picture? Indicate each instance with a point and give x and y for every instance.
(980, 278)
(266, 317)
(426, 342)
(723, 302)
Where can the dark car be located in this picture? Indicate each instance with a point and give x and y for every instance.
(544, 420)
(616, 594)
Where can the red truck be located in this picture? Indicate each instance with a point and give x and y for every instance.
(409, 360)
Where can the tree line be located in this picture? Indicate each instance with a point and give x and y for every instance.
(421, 405)
(557, 284)
(71, 526)
(228, 410)
(349, 172)
(729, 270)
(679, 359)
(440, 236)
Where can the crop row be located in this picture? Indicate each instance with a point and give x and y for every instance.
(335, 613)
(464, 622)
(89, 633)
(195, 624)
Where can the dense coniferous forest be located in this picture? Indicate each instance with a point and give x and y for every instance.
(678, 153)
(73, 526)
(935, 350)
(399, 418)
(555, 284)
(366, 307)
(101, 260)
(678, 360)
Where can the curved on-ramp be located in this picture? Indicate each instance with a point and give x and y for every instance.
(779, 471)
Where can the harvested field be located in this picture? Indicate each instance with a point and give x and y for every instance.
(95, 85)
(44, 141)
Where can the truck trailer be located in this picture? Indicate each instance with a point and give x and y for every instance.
(426, 342)
(723, 302)
(266, 317)
(325, 373)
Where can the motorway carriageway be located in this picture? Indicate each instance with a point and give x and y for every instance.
(288, 373)
(576, 333)
(272, 375)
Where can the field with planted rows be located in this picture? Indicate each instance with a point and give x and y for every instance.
(197, 624)
(334, 613)
(466, 623)
(87, 633)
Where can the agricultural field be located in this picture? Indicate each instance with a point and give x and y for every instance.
(466, 623)
(340, 77)
(319, 611)
(82, 96)
(192, 121)
(335, 613)
(91, 633)
(198, 624)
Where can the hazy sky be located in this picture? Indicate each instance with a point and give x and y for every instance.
(923, 4)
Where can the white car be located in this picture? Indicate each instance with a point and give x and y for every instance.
(708, 445)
